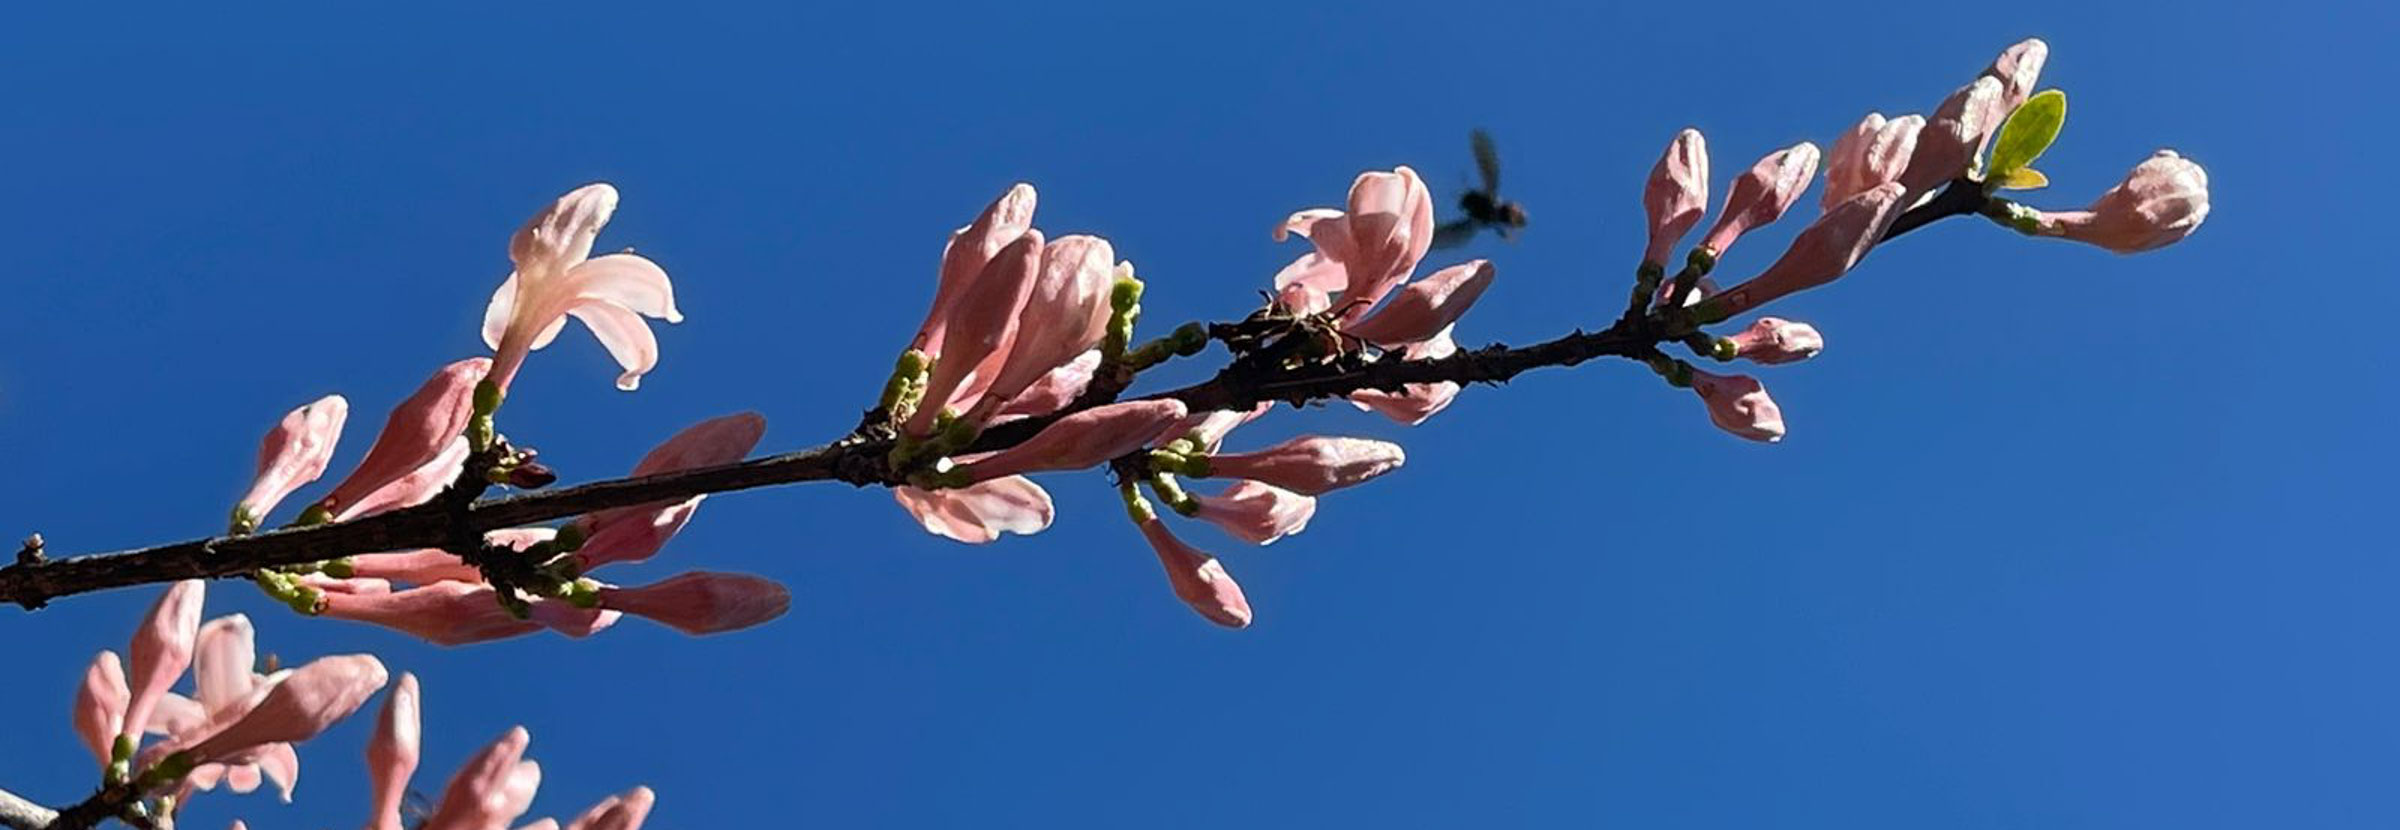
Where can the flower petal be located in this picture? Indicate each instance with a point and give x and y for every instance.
(980, 513)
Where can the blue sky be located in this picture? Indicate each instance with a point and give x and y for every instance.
(2059, 539)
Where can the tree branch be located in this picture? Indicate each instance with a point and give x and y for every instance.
(17, 813)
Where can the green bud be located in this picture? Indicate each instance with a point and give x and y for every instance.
(570, 537)
(1650, 273)
(583, 593)
(341, 568)
(487, 397)
(1126, 295)
(243, 521)
(2017, 217)
(1702, 261)
(316, 514)
(481, 433)
(1172, 493)
(907, 373)
(1724, 349)
(1136, 507)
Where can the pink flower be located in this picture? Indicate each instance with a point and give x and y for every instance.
(983, 322)
(632, 534)
(1955, 135)
(1416, 402)
(963, 260)
(492, 789)
(1739, 404)
(1065, 315)
(1378, 243)
(1676, 195)
(290, 708)
(1255, 512)
(979, 513)
(161, 649)
(392, 753)
(2017, 70)
(1089, 437)
(453, 613)
(1820, 254)
(1312, 465)
(1055, 390)
(1772, 340)
(420, 431)
(100, 705)
(1426, 307)
(557, 277)
(225, 687)
(293, 454)
(617, 812)
(1762, 195)
(1198, 578)
(1869, 155)
(2163, 200)
(701, 602)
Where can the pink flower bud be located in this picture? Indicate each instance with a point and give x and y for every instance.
(418, 432)
(1065, 315)
(1425, 307)
(295, 453)
(1762, 195)
(1313, 465)
(425, 566)
(1677, 194)
(556, 277)
(702, 602)
(1089, 437)
(294, 708)
(1198, 578)
(1772, 340)
(633, 534)
(100, 705)
(979, 513)
(1416, 402)
(493, 788)
(1739, 404)
(1955, 136)
(443, 613)
(162, 648)
(2163, 200)
(1871, 154)
(1255, 512)
(2017, 70)
(617, 812)
(416, 487)
(1820, 254)
(983, 321)
(969, 250)
(392, 753)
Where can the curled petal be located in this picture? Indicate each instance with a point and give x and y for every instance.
(561, 235)
(1426, 307)
(162, 648)
(702, 602)
(1256, 512)
(1083, 439)
(1303, 223)
(100, 705)
(420, 430)
(1416, 402)
(295, 453)
(224, 659)
(1313, 270)
(297, 705)
(979, 513)
(281, 765)
(1313, 465)
(626, 337)
(629, 534)
(1391, 226)
(1198, 578)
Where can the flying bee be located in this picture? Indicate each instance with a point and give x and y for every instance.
(1483, 208)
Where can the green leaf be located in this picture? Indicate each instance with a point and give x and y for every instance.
(2028, 132)
(2023, 178)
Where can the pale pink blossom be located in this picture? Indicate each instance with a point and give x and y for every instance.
(1869, 155)
(1377, 242)
(2162, 200)
(625, 811)
(979, 513)
(1773, 340)
(1426, 307)
(1256, 512)
(294, 453)
(1739, 404)
(1820, 254)
(632, 534)
(161, 649)
(492, 789)
(1416, 402)
(1198, 578)
(1676, 196)
(1054, 391)
(1080, 440)
(983, 322)
(392, 753)
(419, 432)
(1065, 315)
(1955, 135)
(702, 602)
(969, 250)
(557, 277)
(1762, 195)
(289, 708)
(1312, 465)
(100, 705)
(453, 613)
(416, 487)
(224, 686)
(2018, 69)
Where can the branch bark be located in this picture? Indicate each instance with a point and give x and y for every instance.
(17, 813)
